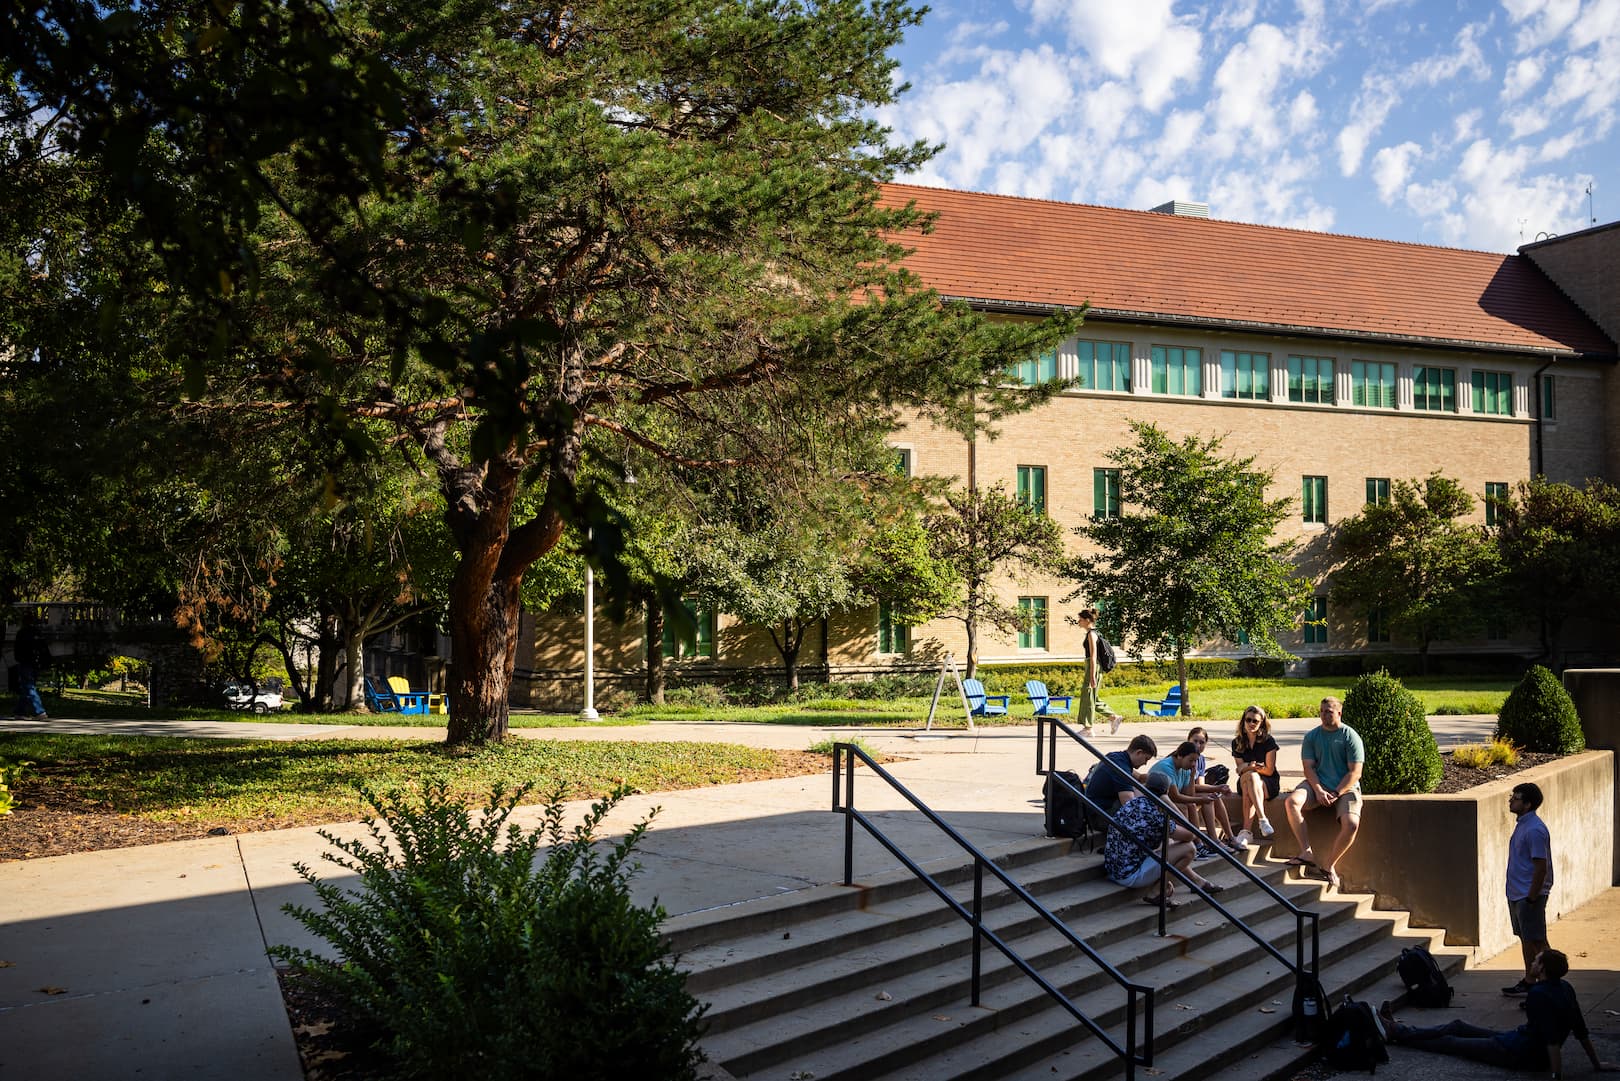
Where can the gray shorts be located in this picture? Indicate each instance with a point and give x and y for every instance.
(1529, 918)
(1347, 803)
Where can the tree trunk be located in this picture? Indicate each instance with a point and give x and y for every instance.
(326, 664)
(655, 652)
(483, 650)
(1181, 678)
(789, 646)
(972, 648)
(354, 692)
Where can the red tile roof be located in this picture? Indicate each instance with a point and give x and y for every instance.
(1161, 268)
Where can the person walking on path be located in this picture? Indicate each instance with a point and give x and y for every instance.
(1553, 1014)
(1529, 879)
(1332, 755)
(32, 657)
(1091, 710)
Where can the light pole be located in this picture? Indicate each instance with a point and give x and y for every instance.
(589, 712)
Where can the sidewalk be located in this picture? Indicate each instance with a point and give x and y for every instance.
(150, 962)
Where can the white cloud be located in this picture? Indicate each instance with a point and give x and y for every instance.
(1381, 92)
(1481, 205)
(1391, 168)
(1302, 114)
(1282, 193)
(1249, 80)
(1560, 147)
(1465, 126)
(1521, 76)
(1238, 15)
(1526, 121)
(1144, 41)
(1542, 21)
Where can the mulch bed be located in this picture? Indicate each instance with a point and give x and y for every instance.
(1455, 778)
(331, 1048)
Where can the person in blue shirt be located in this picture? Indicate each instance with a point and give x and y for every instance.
(1332, 755)
(1529, 878)
(1552, 1015)
(1107, 786)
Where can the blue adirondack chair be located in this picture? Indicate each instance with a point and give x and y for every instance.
(386, 700)
(981, 704)
(1168, 706)
(1047, 705)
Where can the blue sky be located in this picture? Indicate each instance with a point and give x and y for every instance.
(1470, 124)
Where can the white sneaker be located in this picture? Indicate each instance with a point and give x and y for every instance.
(1266, 829)
(1242, 839)
(1114, 721)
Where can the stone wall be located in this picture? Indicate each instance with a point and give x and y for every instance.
(1596, 692)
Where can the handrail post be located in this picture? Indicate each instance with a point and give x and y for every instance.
(849, 819)
(1130, 1033)
(838, 763)
(978, 921)
(1040, 741)
(1164, 872)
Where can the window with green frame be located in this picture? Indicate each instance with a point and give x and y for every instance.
(1434, 390)
(1245, 375)
(1310, 379)
(1105, 493)
(1378, 490)
(1037, 369)
(1032, 487)
(1032, 612)
(699, 643)
(1313, 498)
(1316, 632)
(1372, 384)
(1377, 626)
(1177, 371)
(902, 461)
(1548, 411)
(1493, 393)
(892, 637)
(1104, 365)
(1496, 493)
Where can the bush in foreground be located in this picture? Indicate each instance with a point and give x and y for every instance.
(1539, 715)
(1402, 756)
(473, 962)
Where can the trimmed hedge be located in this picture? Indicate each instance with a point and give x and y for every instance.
(1067, 677)
(1402, 756)
(1539, 715)
(1410, 664)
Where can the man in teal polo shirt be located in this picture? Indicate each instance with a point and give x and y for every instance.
(1333, 756)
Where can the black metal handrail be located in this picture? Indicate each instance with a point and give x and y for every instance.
(844, 756)
(1305, 978)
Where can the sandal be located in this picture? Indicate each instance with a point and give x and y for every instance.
(1214, 887)
(1161, 902)
(1298, 861)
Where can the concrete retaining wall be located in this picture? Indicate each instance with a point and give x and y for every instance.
(1596, 692)
(1443, 857)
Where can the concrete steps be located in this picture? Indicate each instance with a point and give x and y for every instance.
(872, 981)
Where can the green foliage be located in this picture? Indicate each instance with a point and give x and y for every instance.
(1418, 562)
(1412, 664)
(10, 774)
(825, 746)
(900, 565)
(1539, 715)
(1482, 756)
(1560, 552)
(470, 961)
(1190, 555)
(1068, 678)
(1402, 756)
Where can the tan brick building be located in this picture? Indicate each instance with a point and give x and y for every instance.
(1340, 363)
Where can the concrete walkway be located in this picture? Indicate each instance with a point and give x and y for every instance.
(150, 962)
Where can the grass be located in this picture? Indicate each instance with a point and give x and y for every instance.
(112, 705)
(262, 783)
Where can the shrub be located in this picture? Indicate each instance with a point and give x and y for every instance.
(826, 746)
(1480, 756)
(470, 961)
(1539, 715)
(1401, 752)
(706, 695)
(9, 775)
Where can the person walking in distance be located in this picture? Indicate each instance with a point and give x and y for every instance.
(1529, 879)
(1091, 710)
(32, 656)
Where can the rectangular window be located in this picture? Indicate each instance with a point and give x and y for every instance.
(1493, 393)
(1434, 389)
(1310, 379)
(1314, 500)
(1496, 492)
(1105, 493)
(1032, 487)
(1496, 631)
(1378, 490)
(1547, 411)
(1033, 613)
(1316, 622)
(892, 637)
(697, 644)
(1177, 371)
(1377, 627)
(1036, 369)
(1245, 375)
(902, 461)
(1104, 365)
(1372, 384)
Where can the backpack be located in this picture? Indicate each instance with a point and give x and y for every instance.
(1354, 1038)
(1107, 660)
(1426, 985)
(1067, 816)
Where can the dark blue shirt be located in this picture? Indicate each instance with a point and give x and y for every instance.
(1106, 780)
(1554, 1013)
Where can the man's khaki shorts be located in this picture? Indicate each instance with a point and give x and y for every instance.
(1348, 803)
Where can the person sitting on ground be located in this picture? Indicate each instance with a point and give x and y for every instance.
(1538, 1044)
(1178, 766)
(1215, 812)
(1107, 786)
(1332, 754)
(1138, 830)
(1255, 752)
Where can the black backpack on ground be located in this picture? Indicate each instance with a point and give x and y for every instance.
(1426, 985)
(1067, 816)
(1354, 1038)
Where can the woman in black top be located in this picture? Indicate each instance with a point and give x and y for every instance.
(1256, 755)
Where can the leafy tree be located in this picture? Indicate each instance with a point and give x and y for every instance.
(1190, 555)
(1539, 715)
(980, 535)
(1415, 560)
(1402, 756)
(898, 565)
(522, 240)
(1560, 552)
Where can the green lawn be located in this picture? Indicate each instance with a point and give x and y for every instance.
(257, 783)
